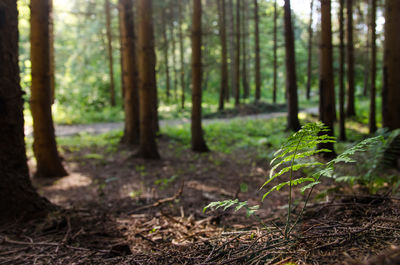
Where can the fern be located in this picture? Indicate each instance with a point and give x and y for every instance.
(250, 210)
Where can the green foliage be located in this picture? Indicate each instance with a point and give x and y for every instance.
(250, 210)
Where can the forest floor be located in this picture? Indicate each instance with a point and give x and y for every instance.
(118, 209)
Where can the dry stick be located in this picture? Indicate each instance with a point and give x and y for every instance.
(160, 202)
(223, 245)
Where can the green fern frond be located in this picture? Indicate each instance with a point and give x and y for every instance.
(250, 210)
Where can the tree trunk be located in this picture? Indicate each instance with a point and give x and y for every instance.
(165, 50)
(326, 82)
(129, 73)
(173, 40)
(147, 82)
(257, 52)
(182, 72)
(224, 62)
(342, 118)
(274, 89)
(232, 48)
(198, 143)
(246, 89)
(52, 53)
(372, 111)
(309, 61)
(350, 62)
(18, 197)
(44, 145)
(237, 55)
(110, 52)
(391, 69)
(291, 79)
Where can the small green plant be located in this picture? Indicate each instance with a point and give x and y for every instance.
(250, 210)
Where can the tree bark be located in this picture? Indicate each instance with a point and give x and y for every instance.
(257, 52)
(147, 83)
(173, 40)
(224, 57)
(198, 143)
(232, 49)
(245, 82)
(237, 55)
(129, 73)
(309, 60)
(18, 197)
(350, 62)
(52, 52)
(275, 79)
(165, 51)
(44, 145)
(110, 52)
(181, 48)
(326, 82)
(291, 79)
(372, 113)
(342, 118)
(391, 69)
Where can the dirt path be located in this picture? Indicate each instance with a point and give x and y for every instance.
(99, 128)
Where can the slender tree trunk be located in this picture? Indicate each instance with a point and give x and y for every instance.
(275, 85)
(391, 69)
(237, 55)
(350, 62)
(173, 40)
(52, 53)
(44, 145)
(110, 53)
(291, 79)
(232, 48)
(147, 83)
(246, 89)
(182, 72)
(342, 118)
(257, 51)
(18, 197)
(224, 57)
(198, 143)
(129, 73)
(372, 111)
(165, 49)
(309, 62)
(326, 82)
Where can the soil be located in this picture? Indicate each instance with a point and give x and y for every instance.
(118, 209)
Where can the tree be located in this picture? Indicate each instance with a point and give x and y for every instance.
(181, 49)
(173, 40)
(110, 51)
(224, 56)
(44, 145)
(391, 69)
(326, 89)
(342, 118)
(18, 197)
(237, 55)
(165, 52)
(129, 72)
(291, 79)
(275, 79)
(198, 143)
(52, 52)
(147, 83)
(372, 112)
(232, 48)
(350, 62)
(309, 60)
(257, 51)
(246, 88)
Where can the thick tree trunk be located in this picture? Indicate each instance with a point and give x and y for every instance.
(245, 82)
(224, 57)
(165, 51)
(198, 143)
(147, 82)
(232, 49)
(237, 55)
(326, 82)
(18, 197)
(182, 72)
(129, 73)
(309, 59)
(275, 79)
(257, 52)
(342, 118)
(350, 62)
(291, 79)
(110, 52)
(391, 69)
(52, 52)
(372, 111)
(44, 146)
